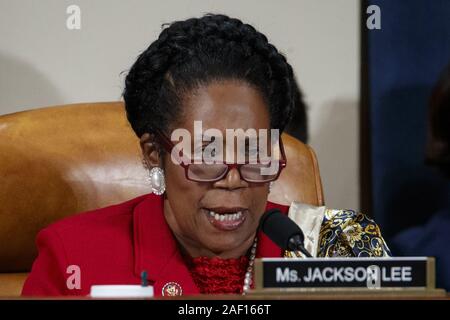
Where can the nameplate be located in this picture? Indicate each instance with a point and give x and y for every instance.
(360, 273)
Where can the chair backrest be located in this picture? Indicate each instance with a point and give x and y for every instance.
(61, 160)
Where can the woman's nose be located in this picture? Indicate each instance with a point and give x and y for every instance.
(231, 181)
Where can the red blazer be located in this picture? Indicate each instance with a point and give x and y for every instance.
(113, 245)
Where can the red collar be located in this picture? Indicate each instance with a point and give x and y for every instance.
(155, 249)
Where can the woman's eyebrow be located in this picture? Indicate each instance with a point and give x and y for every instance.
(208, 138)
(249, 142)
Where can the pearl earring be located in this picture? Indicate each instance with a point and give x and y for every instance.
(157, 181)
(271, 183)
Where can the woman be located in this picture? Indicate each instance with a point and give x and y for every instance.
(431, 238)
(197, 231)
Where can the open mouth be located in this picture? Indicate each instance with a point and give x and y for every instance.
(226, 219)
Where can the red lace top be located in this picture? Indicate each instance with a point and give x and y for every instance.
(218, 276)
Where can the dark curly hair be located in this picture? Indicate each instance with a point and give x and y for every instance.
(198, 51)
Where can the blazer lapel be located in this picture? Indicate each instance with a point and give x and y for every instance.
(156, 250)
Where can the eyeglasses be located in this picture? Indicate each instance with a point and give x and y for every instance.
(206, 172)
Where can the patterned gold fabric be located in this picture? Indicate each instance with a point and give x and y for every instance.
(347, 233)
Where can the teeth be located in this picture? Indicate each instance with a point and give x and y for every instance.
(226, 216)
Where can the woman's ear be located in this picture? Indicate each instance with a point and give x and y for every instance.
(150, 150)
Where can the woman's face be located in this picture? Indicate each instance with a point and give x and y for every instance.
(191, 207)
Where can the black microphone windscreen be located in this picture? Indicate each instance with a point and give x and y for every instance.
(279, 228)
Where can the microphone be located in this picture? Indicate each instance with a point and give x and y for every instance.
(283, 231)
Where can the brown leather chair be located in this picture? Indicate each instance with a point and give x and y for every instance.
(61, 160)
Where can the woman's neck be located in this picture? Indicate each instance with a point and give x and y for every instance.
(187, 247)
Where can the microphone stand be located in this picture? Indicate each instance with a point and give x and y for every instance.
(296, 244)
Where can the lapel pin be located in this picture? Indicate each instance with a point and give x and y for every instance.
(172, 289)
